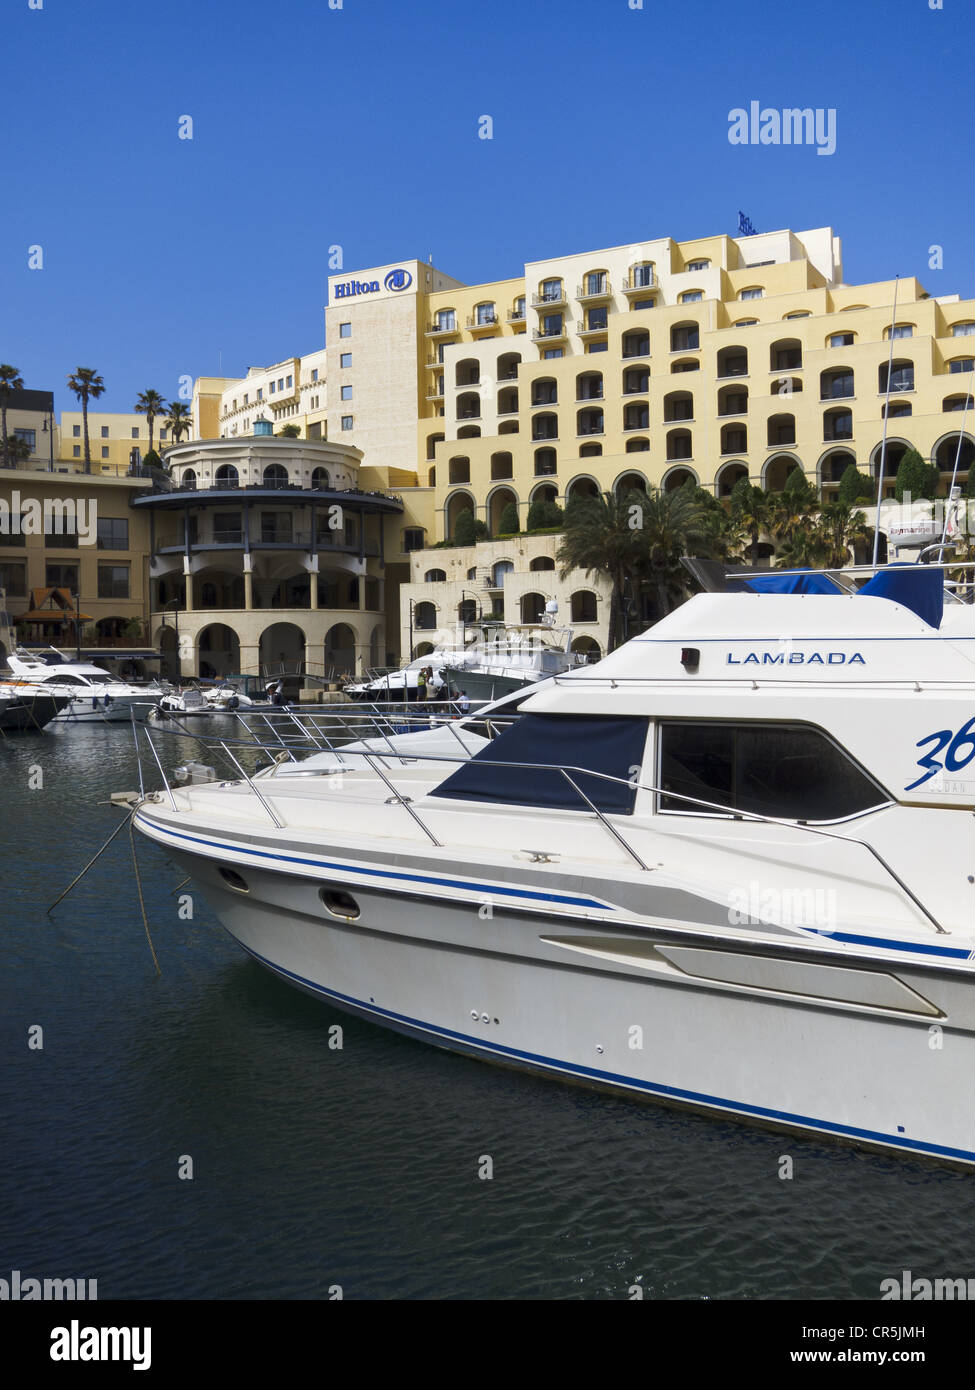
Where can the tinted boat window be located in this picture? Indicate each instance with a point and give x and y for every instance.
(613, 746)
(780, 770)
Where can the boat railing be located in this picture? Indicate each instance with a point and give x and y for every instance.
(316, 739)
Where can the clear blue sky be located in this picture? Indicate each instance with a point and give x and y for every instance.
(359, 127)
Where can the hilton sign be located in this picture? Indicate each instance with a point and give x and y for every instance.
(394, 280)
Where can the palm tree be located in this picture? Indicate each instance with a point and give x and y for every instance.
(674, 523)
(600, 539)
(751, 509)
(179, 420)
(10, 380)
(86, 385)
(150, 404)
(843, 529)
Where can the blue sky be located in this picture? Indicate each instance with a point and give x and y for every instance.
(358, 127)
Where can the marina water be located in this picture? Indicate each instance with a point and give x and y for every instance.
(361, 1167)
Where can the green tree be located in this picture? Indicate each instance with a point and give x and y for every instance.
(152, 460)
(915, 476)
(289, 432)
(150, 404)
(674, 525)
(543, 516)
(508, 521)
(855, 486)
(86, 385)
(10, 380)
(752, 510)
(465, 528)
(179, 421)
(15, 451)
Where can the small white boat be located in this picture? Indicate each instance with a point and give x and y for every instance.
(92, 695)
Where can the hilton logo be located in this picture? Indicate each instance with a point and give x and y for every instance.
(395, 280)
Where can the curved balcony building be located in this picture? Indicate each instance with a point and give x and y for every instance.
(266, 555)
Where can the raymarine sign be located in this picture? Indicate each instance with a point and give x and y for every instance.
(395, 280)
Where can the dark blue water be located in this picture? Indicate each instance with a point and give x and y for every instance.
(315, 1167)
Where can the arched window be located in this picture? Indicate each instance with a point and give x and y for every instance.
(589, 386)
(678, 405)
(781, 429)
(435, 577)
(684, 337)
(836, 384)
(542, 562)
(733, 400)
(679, 444)
(734, 439)
(837, 424)
(188, 480)
(532, 608)
(785, 355)
(226, 476)
(501, 466)
(733, 361)
(637, 445)
(636, 343)
(636, 381)
(545, 391)
(901, 375)
(320, 478)
(425, 615)
(459, 470)
(583, 606)
(545, 462)
(589, 421)
(468, 406)
(545, 427)
(275, 475)
(432, 441)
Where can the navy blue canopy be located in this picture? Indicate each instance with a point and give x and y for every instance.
(611, 745)
(914, 586)
(810, 582)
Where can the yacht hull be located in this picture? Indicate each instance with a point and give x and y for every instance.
(880, 1054)
(84, 711)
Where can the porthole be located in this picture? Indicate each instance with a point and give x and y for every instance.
(339, 903)
(233, 880)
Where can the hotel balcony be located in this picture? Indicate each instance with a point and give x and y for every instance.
(593, 296)
(516, 316)
(588, 334)
(550, 335)
(552, 300)
(486, 324)
(439, 330)
(638, 282)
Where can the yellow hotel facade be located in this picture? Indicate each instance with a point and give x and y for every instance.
(646, 364)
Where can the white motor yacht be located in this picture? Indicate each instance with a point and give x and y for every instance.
(729, 868)
(92, 695)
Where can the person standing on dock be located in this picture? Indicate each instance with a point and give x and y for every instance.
(421, 684)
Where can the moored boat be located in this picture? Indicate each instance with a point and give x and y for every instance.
(729, 868)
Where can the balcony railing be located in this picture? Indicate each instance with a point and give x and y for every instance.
(639, 280)
(546, 300)
(433, 329)
(548, 334)
(484, 321)
(516, 316)
(586, 292)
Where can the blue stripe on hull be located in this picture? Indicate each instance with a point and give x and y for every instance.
(538, 1062)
